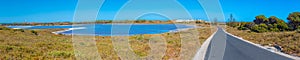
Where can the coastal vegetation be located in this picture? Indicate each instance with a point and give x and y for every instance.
(34, 44)
(270, 31)
(42, 44)
(272, 24)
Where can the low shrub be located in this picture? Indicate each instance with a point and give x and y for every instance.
(242, 28)
(274, 29)
(259, 28)
(34, 32)
(298, 29)
(4, 28)
(61, 53)
(10, 48)
(140, 37)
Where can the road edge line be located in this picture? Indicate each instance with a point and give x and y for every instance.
(200, 55)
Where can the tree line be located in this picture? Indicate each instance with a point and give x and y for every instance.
(261, 23)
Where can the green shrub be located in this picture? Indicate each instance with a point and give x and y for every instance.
(298, 29)
(282, 26)
(242, 28)
(140, 37)
(263, 25)
(10, 48)
(4, 28)
(294, 19)
(232, 24)
(61, 53)
(34, 32)
(274, 29)
(259, 28)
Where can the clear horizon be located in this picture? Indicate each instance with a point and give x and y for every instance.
(13, 11)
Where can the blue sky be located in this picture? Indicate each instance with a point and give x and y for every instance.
(63, 10)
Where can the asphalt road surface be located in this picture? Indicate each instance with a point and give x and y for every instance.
(227, 47)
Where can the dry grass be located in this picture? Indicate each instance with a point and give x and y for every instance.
(27, 45)
(139, 44)
(290, 41)
(45, 45)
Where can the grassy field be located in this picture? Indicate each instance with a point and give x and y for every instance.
(290, 41)
(42, 44)
(25, 44)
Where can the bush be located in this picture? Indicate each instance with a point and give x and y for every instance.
(232, 24)
(140, 37)
(282, 26)
(263, 25)
(298, 29)
(242, 28)
(274, 29)
(249, 25)
(4, 28)
(294, 19)
(259, 28)
(34, 32)
(261, 19)
(61, 53)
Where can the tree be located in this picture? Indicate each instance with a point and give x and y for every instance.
(261, 19)
(215, 21)
(273, 19)
(278, 23)
(232, 21)
(294, 20)
(282, 26)
(140, 21)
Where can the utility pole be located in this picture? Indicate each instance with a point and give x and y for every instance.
(232, 21)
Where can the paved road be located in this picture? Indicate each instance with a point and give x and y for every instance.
(227, 47)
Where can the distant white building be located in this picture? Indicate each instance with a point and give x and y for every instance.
(188, 20)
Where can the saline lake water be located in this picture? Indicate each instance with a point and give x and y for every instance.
(112, 29)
